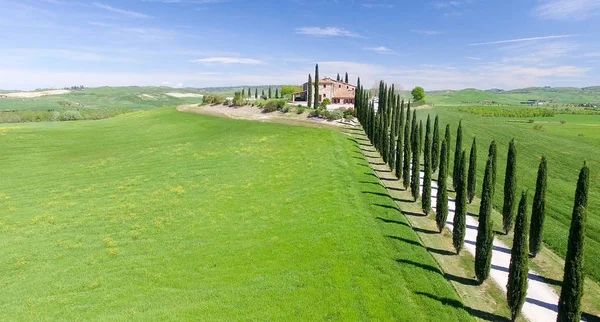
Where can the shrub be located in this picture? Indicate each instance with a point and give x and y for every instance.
(530, 121)
(348, 113)
(285, 109)
(538, 128)
(325, 102)
(334, 115)
(313, 113)
(274, 105)
(213, 99)
(264, 97)
(71, 115)
(563, 121)
(238, 99)
(300, 110)
(55, 116)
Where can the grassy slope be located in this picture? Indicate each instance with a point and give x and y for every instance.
(164, 215)
(565, 151)
(560, 95)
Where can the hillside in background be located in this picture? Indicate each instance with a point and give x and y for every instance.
(559, 96)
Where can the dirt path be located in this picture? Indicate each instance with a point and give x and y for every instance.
(254, 113)
(542, 299)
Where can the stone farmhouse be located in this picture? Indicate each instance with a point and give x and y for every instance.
(337, 92)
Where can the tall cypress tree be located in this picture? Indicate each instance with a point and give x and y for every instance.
(441, 206)
(263, 92)
(460, 215)
(309, 92)
(472, 184)
(510, 188)
(243, 92)
(316, 97)
(421, 132)
(256, 93)
(346, 78)
(569, 304)
(338, 77)
(435, 145)
(493, 152)
(276, 92)
(426, 198)
(516, 288)
(457, 152)
(400, 144)
(485, 233)
(538, 212)
(448, 143)
(406, 157)
(269, 91)
(249, 92)
(416, 165)
(392, 134)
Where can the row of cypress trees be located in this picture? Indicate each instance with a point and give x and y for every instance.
(395, 133)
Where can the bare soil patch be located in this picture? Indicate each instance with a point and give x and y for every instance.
(34, 94)
(185, 95)
(254, 113)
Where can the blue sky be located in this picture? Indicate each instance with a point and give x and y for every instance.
(200, 43)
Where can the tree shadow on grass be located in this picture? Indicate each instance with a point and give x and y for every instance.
(380, 194)
(415, 214)
(391, 221)
(407, 201)
(433, 269)
(373, 183)
(457, 304)
(388, 179)
(408, 241)
(395, 189)
(425, 231)
(377, 163)
(386, 206)
(589, 317)
(441, 251)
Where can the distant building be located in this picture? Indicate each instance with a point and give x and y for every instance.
(336, 92)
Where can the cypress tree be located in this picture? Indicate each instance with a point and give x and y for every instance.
(435, 145)
(392, 140)
(414, 180)
(460, 214)
(256, 93)
(448, 143)
(494, 154)
(346, 78)
(457, 152)
(485, 233)
(516, 288)
(510, 188)
(569, 304)
(308, 92)
(316, 98)
(243, 92)
(472, 184)
(426, 199)
(277, 93)
(263, 93)
(441, 206)
(420, 136)
(269, 91)
(338, 77)
(538, 212)
(400, 144)
(249, 92)
(406, 157)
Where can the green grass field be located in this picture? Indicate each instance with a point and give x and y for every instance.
(565, 145)
(559, 96)
(160, 215)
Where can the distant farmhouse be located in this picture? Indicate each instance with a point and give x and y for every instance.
(337, 92)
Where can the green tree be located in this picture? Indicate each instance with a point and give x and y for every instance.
(346, 78)
(317, 98)
(256, 93)
(448, 143)
(289, 90)
(472, 184)
(418, 93)
(416, 165)
(276, 92)
(441, 206)
(485, 233)
(269, 92)
(435, 145)
(493, 152)
(426, 199)
(457, 152)
(569, 304)
(243, 92)
(338, 77)
(460, 214)
(420, 136)
(400, 144)
(406, 157)
(510, 188)
(516, 288)
(249, 92)
(309, 92)
(538, 212)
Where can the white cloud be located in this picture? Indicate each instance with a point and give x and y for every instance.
(521, 40)
(378, 5)
(128, 13)
(228, 60)
(381, 50)
(427, 32)
(567, 9)
(326, 32)
(472, 58)
(446, 4)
